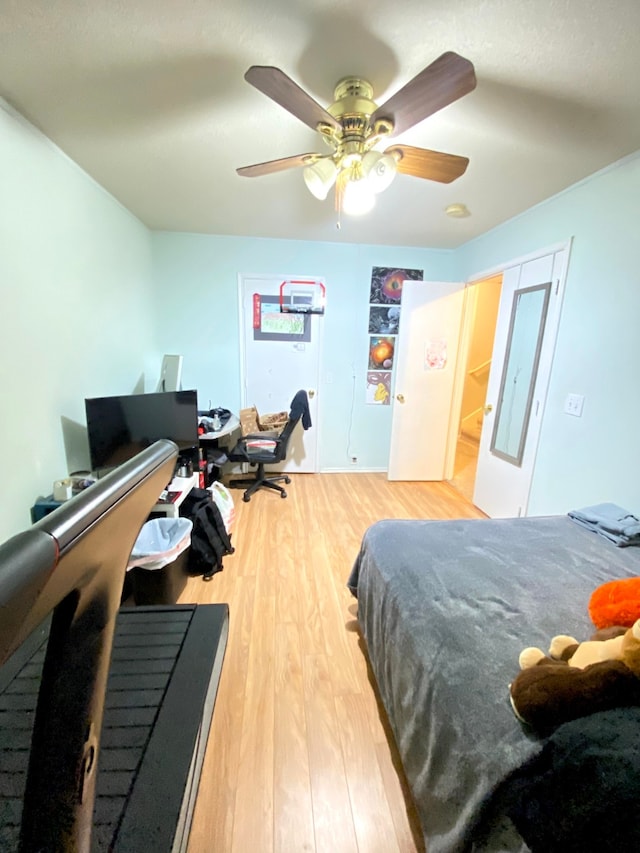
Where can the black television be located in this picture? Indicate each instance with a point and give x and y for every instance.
(120, 427)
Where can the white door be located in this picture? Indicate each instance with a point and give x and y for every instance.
(503, 476)
(280, 356)
(425, 361)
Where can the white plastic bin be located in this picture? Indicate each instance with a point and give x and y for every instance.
(157, 565)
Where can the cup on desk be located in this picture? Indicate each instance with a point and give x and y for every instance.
(62, 490)
(185, 469)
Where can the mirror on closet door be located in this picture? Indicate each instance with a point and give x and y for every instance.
(526, 330)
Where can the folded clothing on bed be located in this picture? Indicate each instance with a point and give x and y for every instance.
(611, 521)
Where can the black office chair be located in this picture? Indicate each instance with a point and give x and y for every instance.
(268, 448)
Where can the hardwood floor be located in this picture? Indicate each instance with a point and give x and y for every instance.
(300, 755)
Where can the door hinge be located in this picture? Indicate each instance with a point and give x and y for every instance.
(557, 286)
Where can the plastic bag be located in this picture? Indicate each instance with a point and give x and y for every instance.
(222, 498)
(160, 541)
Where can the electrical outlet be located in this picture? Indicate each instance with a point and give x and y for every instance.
(354, 460)
(573, 405)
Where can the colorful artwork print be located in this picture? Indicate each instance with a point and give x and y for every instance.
(384, 319)
(378, 387)
(386, 284)
(381, 350)
(274, 323)
(270, 324)
(435, 355)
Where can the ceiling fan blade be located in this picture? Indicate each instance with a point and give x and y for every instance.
(275, 84)
(277, 165)
(432, 165)
(439, 84)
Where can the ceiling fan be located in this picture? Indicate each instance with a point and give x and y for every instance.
(355, 128)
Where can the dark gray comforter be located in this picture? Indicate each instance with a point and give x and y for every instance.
(445, 608)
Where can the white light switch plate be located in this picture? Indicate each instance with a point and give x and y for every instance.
(573, 405)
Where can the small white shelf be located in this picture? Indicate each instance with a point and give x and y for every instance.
(178, 484)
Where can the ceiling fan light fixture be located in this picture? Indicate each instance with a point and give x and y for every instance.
(379, 170)
(354, 125)
(320, 177)
(358, 197)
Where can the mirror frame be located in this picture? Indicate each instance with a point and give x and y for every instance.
(517, 296)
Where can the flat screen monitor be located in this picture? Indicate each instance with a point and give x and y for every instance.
(120, 427)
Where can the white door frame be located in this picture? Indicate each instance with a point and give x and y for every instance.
(319, 330)
(474, 279)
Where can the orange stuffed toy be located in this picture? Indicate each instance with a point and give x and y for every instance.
(615, 603)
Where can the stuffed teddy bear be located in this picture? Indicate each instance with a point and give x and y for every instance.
(615, 603)
(604, 645)
(551, 690)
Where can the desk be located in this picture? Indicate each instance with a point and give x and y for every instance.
(226, 429)
(210, 444)
(44, 505)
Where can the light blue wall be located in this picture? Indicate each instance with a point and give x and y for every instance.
(580, 461)
(75, 284)
(91, 300)
(596, 457)
(197, 315)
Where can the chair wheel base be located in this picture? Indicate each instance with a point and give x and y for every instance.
(252, 485)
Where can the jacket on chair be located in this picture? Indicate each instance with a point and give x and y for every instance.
(300, 408)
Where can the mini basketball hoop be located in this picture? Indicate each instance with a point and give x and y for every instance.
(302, 297)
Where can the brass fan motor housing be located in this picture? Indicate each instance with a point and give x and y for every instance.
(353, 107)
(353, 96)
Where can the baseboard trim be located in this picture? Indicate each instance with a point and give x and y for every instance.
(352, 470)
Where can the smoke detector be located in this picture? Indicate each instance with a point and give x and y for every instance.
(457, 210)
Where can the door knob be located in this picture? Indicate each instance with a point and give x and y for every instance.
(400, 398)
(311, 394)
(488, 408)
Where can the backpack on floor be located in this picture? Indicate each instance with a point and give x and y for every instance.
(210, 541)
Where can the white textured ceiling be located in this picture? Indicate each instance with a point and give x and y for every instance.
(148, 96)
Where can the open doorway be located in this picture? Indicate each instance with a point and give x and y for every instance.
(483, 301)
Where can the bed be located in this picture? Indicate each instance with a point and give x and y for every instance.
(445, 608)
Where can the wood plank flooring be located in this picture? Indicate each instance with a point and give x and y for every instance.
(300, 755)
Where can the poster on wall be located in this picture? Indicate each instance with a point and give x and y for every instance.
(269, 324)
(384, 319)
(381, 351)
(385, 297)
(435, 354)
(378, 387)
(386, 284)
